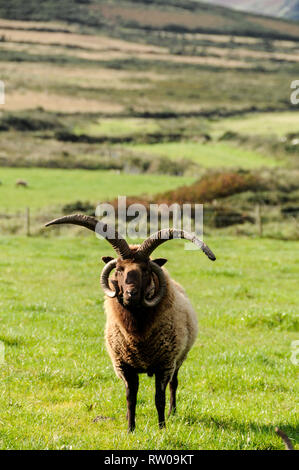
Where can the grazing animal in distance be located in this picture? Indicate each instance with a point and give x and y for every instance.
(22, 183)
(151, 324)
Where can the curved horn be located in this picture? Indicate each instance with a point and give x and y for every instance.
(155, 240)
(162, 286)
(119, 244)
(104, 280)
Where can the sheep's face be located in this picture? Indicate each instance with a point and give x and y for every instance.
(132, 280)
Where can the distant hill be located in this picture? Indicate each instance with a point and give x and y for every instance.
(165, 15)
(280, 8)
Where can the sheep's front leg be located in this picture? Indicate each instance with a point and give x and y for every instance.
(131, 383)
(162, 379)
(173, 385)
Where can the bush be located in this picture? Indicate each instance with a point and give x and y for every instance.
(213, 186)
(79, 206)
(229, 135)
(220, 217)
(29, 122)
(171, 167)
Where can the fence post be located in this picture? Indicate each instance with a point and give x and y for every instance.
(258, 219)
(28, 222)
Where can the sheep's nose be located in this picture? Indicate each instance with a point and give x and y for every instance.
(131, 292)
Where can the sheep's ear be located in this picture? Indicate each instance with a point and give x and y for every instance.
(106, 259)
(160, 261)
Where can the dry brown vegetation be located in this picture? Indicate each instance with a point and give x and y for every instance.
(62, 70)
(291, 29)
(86, 41)
(27, 100)
(94, 47)
(161, 19)
(37, 25)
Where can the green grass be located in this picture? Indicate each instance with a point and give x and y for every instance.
(209, 155)
(264, 124)
(51, 187)
(117, 127)
(236, 385)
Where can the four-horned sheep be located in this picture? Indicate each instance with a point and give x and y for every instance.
(150, 324)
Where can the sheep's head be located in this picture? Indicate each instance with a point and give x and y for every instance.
(134, 280)
(135, 273)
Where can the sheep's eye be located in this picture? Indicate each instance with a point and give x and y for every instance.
(119, 270)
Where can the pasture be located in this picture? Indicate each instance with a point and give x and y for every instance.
(51, 188)
(267, 124)
(63, 69)
(215, 155)
(58, 389)
(107, 105)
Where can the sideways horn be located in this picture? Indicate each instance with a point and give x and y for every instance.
(104, 280)
(119, 244)
(155, 240)
(162, 286)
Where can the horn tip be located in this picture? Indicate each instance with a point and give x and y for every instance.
(54, 222)
(49, 223)
(209, 253)
(66, 219)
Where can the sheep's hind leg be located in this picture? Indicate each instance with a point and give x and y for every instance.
(162, 379)
(131, 383)
(173, 385)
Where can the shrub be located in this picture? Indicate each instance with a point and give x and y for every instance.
(79, 206)
(213, 186)
(229, 135)
(171, 167)
(220, 217)
(29, 122)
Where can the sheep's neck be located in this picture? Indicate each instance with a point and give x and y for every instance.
(136, 321)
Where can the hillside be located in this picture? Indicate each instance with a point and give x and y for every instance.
(136, 88)
(280, 8)
(149, 15)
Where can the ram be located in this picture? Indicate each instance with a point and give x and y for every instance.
(150, 324)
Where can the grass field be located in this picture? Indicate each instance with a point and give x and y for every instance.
(118, 127)
(266, 124)
(236, 385)
(215, 155)
(61, 70)
(53, 187)
(114, 102)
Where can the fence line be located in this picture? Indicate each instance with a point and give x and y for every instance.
(214, 219)
(28, 221)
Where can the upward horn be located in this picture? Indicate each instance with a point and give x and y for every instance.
(155, 240)
(119, 244)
